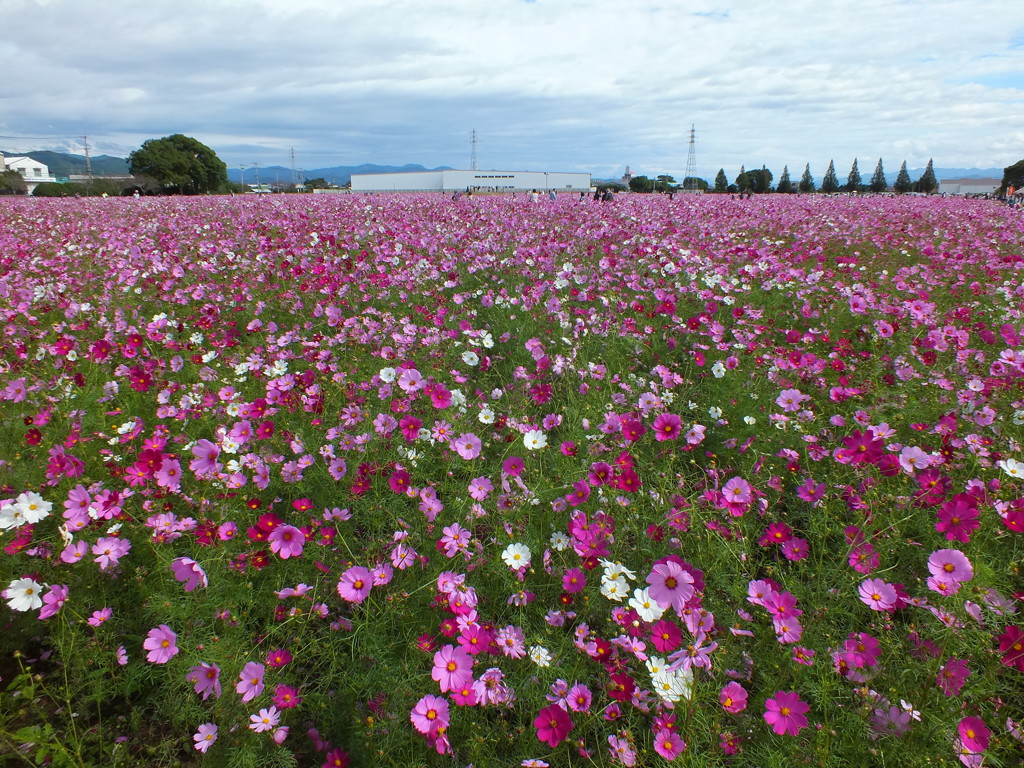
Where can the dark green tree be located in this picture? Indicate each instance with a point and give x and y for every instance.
(902, 184)
(853, 179)
(722, 181)
(760, 180)
(742, 180)
(179, 163)
(641, 184)
(829, 182)
(12, 183)
(785, 185)
(927, 183)
(878, 183)
(318, 183)
(807, 181)
(1013, 176)
(695, 184)
(665, 183)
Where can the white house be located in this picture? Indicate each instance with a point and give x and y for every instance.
(34, 172)
(480, 181)
(969, 186)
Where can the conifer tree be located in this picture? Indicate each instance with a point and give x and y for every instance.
(721, 181)
(927, 183)
(878, 183)
(785, 185)
(807, 181)
(830, 183)
(853, 179)
(902, 184)
(743, 180)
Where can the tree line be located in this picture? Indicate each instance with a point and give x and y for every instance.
(760, 180)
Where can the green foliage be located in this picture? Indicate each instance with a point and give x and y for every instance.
(12, 183)
(695, 183)
(785, 185)
(878, 183)
(722, 181)
(927, 183)
(641, 184)
(829, 183)
(179, 163)
(807, 181)
(902, 185)
(853, 180)
(318, 183)
(1013, 176)
(665, 183)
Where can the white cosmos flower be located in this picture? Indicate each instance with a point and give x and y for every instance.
(34, 506)
(24, 594)
(615, 589)
(535, 440)
(516, 556)
(718, 369)
(559, 541)
(469, 357)
(540, 656)
(1012, 467)
(645, 605)
(387, 375)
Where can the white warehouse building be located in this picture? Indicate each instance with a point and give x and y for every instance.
(478, 181)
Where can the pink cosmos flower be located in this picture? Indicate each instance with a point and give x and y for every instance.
(98, 618)
(286, 541)
(250, 681)
(579, 698)
(553, 724)
(737, 491)
(53, 601)
(950, 564)
(785, 713)
(286, 696)
(355, 584)
(512, 466)
(430, 714)
(453, 668)
(468, 446)
(952, 676)
(1011, 645)
(109, 550)
(670, 585)
(161, 644)
(877, 594)
(667, 426)
(206, 678)
(668, 744)
(480, 488)
(205, 736)
(205, 461)
(189, 572)
(265, 720)
(733, 697)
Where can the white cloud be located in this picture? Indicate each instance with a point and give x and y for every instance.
(572, 84)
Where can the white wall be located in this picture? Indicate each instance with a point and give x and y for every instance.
(455, 180)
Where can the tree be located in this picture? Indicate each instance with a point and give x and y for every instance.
(785, 185)
(760, 181)
(830, 183)
(807, 181)
(1013, 176)
(722, 181)
(12, 183)
(878, 183)
(742, 180)
(318, 183)
(853, 179)
(927, 183)
(665, 183)
(179, 163)
(641, 184)
(696, 184)
(902, 183)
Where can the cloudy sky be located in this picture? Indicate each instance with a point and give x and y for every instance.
(570, 85)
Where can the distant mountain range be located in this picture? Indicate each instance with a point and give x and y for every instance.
(63, 164)
(338, 174)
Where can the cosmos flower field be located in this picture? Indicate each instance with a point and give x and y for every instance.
(400, 480)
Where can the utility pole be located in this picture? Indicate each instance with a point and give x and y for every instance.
(472, 151)
(295, 179)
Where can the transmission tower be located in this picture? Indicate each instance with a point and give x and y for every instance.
(295, 179)
(690, 181)
(472, 151)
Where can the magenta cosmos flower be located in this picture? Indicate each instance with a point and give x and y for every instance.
(286, 541)
(733, 697)
(974, 734)
(355, 584)
(453, 668)
(161, 644)
(785, 713)
(430, 714)
(668, 744)
(553, 724)
(667, 426)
